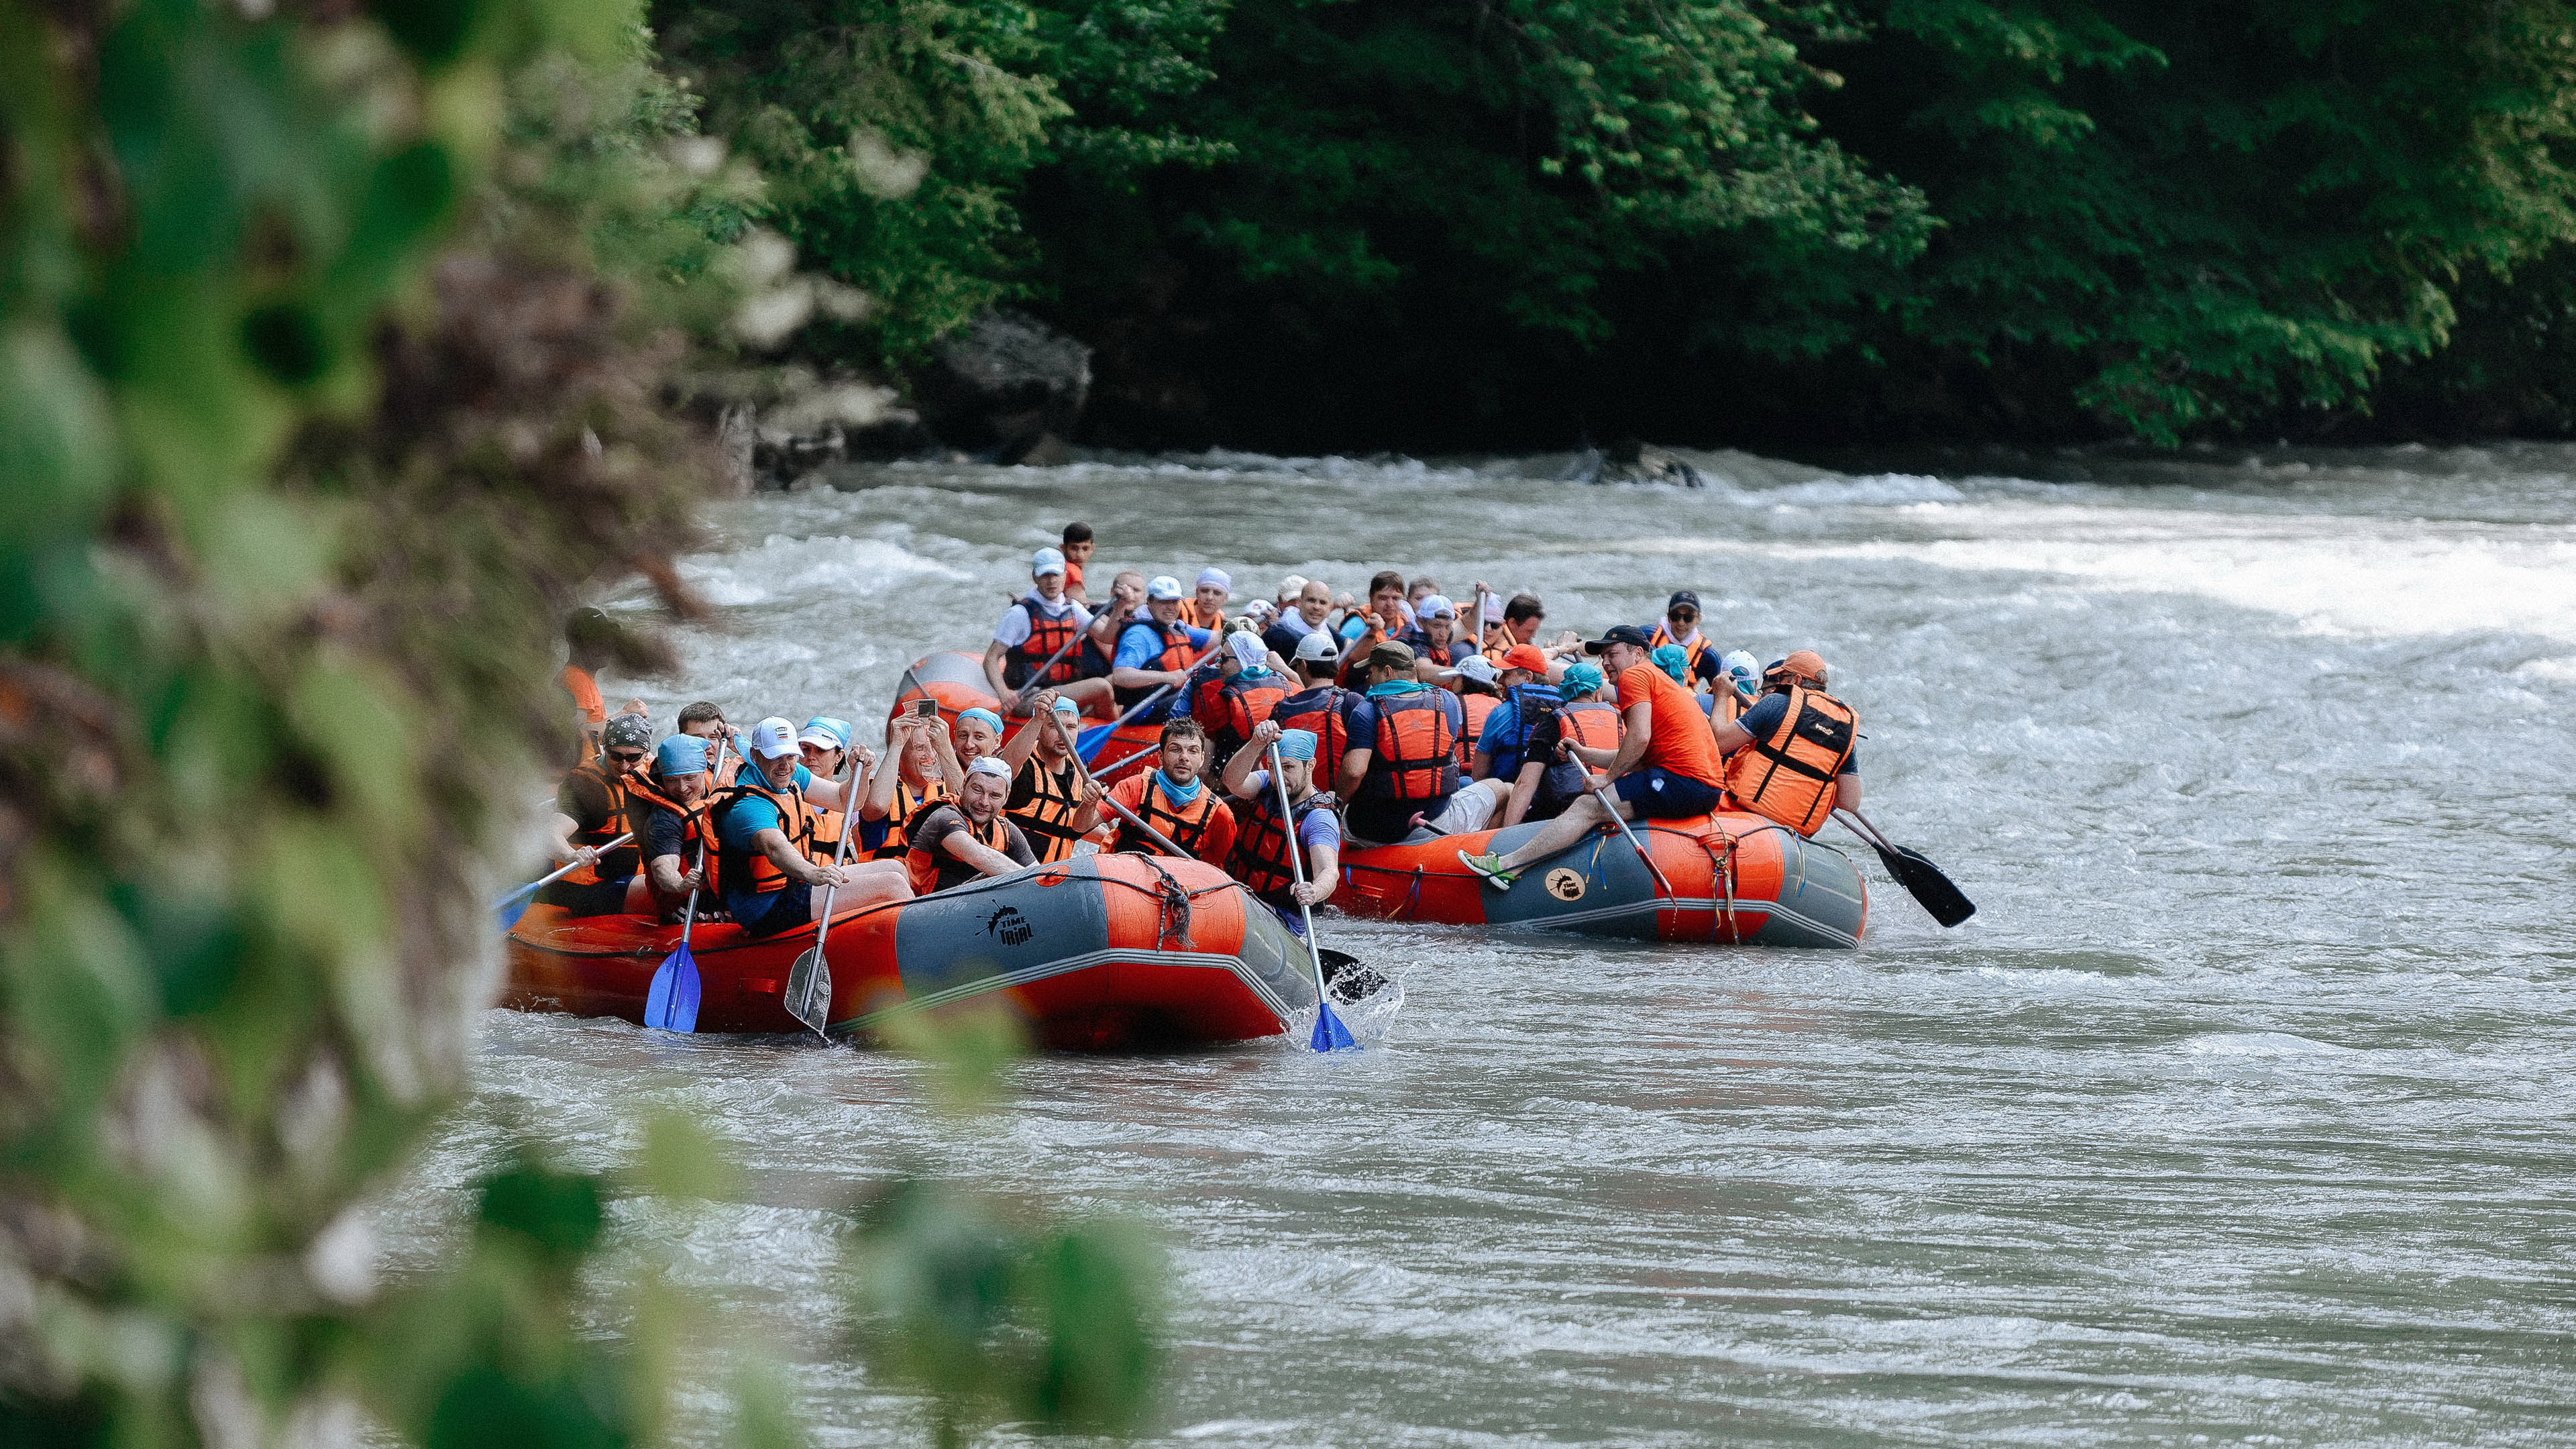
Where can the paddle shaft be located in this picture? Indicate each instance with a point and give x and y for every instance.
(689, 918)
(1130, 816)
(1602, 793)
(812, 965)
(546, 880)
(1147, 702)
(1297, 873)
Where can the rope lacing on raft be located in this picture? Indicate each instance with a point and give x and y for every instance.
(1172, 921)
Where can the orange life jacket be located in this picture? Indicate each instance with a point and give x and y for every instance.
(908, 802)
(615, 864)
(1591, 723)
(1178, 654)
(645, 794)
(1318, 709)
(1695, 651)
(1046, 636)
(1245, 701)
(1260, 856)
(938, 872)
(1183, 825)
(1047, 820)
(748, 870)
(1206, 694)
(1210, 616)
(1789, 777)
(1477, 707)
(1415, 755)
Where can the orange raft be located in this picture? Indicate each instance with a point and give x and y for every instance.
(956, 679)
(1096, 953)
(1733, 878)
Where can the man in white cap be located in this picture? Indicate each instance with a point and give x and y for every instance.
(1442, 641)
(968, 838)
(1206, 610)
(1051, 800)
(1479, 689)
(1038, 643)
(765, 827)
(1156, 651)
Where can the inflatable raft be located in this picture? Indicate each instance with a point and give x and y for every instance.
(1097, 953)
(956, 679)
(1734, 879)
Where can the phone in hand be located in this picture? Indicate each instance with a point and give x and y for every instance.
(926, 707)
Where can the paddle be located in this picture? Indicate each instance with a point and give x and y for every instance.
(514, 905)
(671, 1002)
(1921, 878)
(1020, 701)
(1602, 793)
(1094, 736)
(1130, 816)
(1330, 1035)
(809, 981)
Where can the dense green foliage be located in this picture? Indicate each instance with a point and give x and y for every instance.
(1327, 222)
(334, 357)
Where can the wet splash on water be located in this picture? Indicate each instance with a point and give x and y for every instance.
(2235, 1115)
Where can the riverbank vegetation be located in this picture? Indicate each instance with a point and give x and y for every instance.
(1501, 223)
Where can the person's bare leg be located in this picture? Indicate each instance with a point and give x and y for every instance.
(1579, 820)
(1092, 695)
(871, 884)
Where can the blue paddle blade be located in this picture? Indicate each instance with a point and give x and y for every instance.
(1330, 1034)
(671, 1003)
(1088, 741)
(512, 907)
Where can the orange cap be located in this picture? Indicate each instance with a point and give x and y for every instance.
(1804, 664)
(1524, 656)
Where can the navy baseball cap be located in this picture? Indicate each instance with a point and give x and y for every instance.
(1618, 634)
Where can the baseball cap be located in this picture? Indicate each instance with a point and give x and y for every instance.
(1247, 649)
(1392, 654)
(1628, 634)
(1163, 586)
(773, 738)
(1580, 679)
(1291, 586)
(628, 732)
(1741, 664)
(1525, 656)
(1803, 664)
(1475, 667)
(1216, 576)
(1493, 608)
(830, 733)
(1317, 647)
(681, 755)
(1435, 606)
(1046, 561)
(1679, 598)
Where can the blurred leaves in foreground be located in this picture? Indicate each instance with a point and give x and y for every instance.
(335, 349)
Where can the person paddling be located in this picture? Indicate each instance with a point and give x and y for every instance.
(1795, 756)
(1260, 857)
(825, 745)
(1126, 605)
(1545, 784)
(1249, 684)
(706, 720)
(1156, 651)
(668, 814)
(1402, 765)
(590, 811)
(1387, 621)
(1038, 643)
(968, 838)
(1318, 706)
(764, 824)
(1051, 800)
(1665, 768)
(1175, 800)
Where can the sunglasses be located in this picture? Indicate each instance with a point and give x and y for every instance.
(623, 758)
(1683, 616)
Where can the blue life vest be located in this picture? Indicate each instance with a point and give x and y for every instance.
(1529, 702)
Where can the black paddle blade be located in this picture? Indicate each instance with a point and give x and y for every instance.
(1349, 978)
(809, 991)
(1924, 881)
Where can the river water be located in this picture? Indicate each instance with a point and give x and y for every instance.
(2239, 1114)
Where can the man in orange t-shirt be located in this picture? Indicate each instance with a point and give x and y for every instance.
(1666, 766)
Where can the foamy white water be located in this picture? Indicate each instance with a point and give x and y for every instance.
(2237, 1115)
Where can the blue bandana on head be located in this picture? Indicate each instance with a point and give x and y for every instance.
(991, 720)
(680, 755)
(1296, 744)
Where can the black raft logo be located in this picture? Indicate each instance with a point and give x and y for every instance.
(1012, 927)
(1566, 883)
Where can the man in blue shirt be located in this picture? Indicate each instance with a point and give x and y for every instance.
(1156, 651)
(764, 831)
